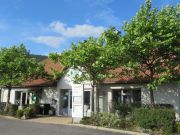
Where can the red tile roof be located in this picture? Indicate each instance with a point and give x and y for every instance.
(49, 65)
(118, 78)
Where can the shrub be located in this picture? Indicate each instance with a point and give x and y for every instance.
(155, 119)
(29, 113)
(124, 110)
(178, 127)
(87, 121)
(35, 107)
(3, 113)
(159, 106)
(109, 120)
(12, 109)
(19, 113)
(2, 106)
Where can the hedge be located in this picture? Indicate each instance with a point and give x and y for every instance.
(109, 120)
(155, 119)
(178, 127)
(19, 113)
(29, 113)
(35, 107)
(12, 108)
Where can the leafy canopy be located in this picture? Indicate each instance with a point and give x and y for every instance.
(152, 42)
(92, 57)
(16, 66)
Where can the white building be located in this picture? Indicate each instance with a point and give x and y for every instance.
(75, 100)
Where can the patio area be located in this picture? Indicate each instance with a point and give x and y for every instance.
(52, 120)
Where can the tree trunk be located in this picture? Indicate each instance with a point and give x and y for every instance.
(97, 99)
(8, 99)
(152, 97)
(96, 103)
(92, 98)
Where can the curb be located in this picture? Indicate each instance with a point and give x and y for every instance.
(109, 129)
(85, 126)
(8, 117)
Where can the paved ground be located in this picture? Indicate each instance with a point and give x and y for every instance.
(16, 127)
(52, 120)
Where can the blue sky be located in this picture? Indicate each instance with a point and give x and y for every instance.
(46, 26)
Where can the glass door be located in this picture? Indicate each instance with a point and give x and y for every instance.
(66, 102)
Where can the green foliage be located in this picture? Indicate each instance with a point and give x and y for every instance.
(12, 109)
(153, 37)
(19, 113)
(104, 119)
(35, 108)
(39, 58)
(29, 113)
(155, 119)
(92, 57)
(3, 112)
(16, 66)
(57, 74)
(178, 127)
(86, 121)
(124, 110)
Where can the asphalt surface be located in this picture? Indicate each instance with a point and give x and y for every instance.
(16, 127)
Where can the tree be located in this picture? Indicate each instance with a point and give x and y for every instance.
(17, 66)
(152, 42)
(93, 58)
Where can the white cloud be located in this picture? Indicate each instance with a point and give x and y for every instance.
(58, 26)
(84, 30)
(52, 41)
(67, 33)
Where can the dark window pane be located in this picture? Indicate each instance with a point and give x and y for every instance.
(87, 98)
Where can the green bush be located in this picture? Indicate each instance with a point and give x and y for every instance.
(86, 121)
(3, 113)
(35, 107)
(29, 113)
(178, 127)
(109, 120)
(12, 109)
(124, 110)
(19, 113)
(155, 119)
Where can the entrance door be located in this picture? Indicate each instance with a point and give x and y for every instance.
(66, 102)
(70, 103)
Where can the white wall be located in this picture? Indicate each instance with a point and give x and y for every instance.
(4, 94)
(106, 92)
(48, 94)
(166, 94)
(67, 83)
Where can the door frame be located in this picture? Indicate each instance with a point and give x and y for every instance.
(21, 98)
(69, 102)
(69, 107)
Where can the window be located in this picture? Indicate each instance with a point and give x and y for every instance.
(137, 96)
(17, 97)
(87, 98)
(23, 98)
(126, 96)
